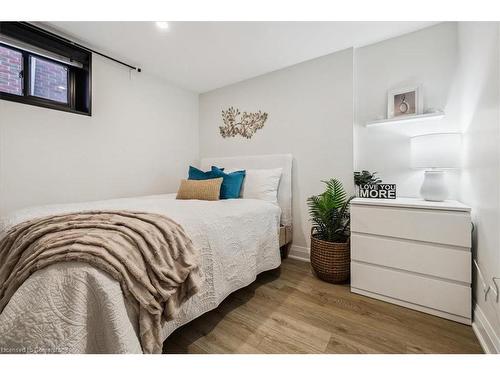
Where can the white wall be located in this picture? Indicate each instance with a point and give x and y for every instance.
(139, 140)
(310, 116)
(478, 79)
(428, 58)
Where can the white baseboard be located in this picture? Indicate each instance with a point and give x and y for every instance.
(299, 253)
(486, 335)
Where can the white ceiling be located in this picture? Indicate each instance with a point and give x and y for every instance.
(202, 56)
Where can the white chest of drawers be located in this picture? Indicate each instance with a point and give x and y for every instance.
(413, 253)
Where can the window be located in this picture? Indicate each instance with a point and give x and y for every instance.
(42, 69)
(11, 71)
(48, 80)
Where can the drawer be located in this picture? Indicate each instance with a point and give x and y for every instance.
(439, 226)
(443, 261)
(429, 292)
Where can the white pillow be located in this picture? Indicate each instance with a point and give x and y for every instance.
(260, 184)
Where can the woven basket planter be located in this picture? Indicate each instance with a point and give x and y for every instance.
(330, 261)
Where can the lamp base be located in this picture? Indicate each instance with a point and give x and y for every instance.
(434, 186)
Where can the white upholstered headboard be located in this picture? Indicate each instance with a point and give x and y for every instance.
(283, 161)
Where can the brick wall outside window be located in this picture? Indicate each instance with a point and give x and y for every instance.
(11, 63)
(50, 80)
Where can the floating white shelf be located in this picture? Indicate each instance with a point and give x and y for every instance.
(407, 119)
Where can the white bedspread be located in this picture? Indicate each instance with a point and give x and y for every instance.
(75, 308)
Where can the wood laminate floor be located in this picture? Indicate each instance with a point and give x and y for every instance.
(290, 311)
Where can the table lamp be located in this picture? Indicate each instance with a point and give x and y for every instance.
(435, 153)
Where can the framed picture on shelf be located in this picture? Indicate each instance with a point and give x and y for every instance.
(406, 101)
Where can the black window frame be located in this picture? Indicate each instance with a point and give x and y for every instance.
(79, 88)
(27, 98)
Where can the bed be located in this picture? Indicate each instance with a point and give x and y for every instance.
(73, 307)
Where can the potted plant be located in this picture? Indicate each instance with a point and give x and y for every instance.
(330, 248)
(365, 177)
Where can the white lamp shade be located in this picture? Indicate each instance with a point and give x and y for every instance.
(442, 150)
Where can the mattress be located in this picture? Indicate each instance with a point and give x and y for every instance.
(75, 308)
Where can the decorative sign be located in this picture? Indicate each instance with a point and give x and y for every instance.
(378, 191)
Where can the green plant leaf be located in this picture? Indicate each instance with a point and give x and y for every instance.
(329, 212)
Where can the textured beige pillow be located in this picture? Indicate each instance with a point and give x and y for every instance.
(206, 190)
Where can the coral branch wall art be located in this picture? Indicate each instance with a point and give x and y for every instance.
(244, 124)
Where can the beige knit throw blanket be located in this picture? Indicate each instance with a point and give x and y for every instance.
(149, 254)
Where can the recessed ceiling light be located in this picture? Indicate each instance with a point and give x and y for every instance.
(162, 25)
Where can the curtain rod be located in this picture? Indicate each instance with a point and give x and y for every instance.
(39, 29)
